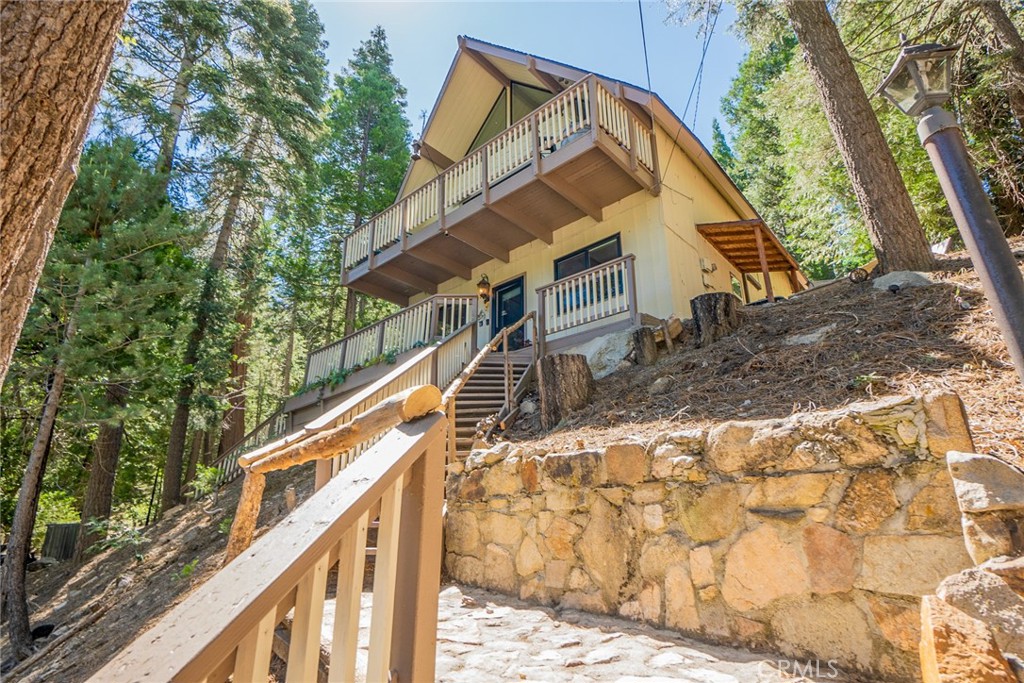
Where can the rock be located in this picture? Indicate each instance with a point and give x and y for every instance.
(651, 492)
(688, 440)
(654, 518)
(989, 535)
(904, 279)
(715, 514)
(556, 572)
(662, 385)
(462, 533)
(658, 553)
(831, 559)
(812, 337)
(529, 474)
(670, 463)
(868, 501)
(559, 538)
(625, 464)
(499, 570)
(501, 529)
(985, 484)
(987, 597)
(946, 423)
(604, 353)
(909, 565)
(604, 550)
(650, 603)
(1009, 570)
(468, 570)
(702, 566)
(41, 564)
(829, 624)
(575, 469)
(956, 648)
(899, 621)
(502, 479)
(528, 407)
(934, 508)
(761, 568)
(528, 559)
(796, 491)
(680, 605)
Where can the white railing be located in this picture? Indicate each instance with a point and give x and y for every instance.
(600, 292)
(432, 318)
(464, 180)
(549, 127)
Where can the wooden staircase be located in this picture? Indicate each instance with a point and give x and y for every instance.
(483, 396)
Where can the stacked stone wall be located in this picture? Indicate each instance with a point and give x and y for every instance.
(813, 536)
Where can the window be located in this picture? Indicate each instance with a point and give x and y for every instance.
(496, 121)
(589, 257)
(600, 252)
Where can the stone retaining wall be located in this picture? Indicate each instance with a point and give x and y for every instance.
(814, 536)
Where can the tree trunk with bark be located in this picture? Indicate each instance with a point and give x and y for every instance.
(176, 112)
(99, 491)
(20, 540)
(889, 215)
(566, 383)
(645, 347)
(173, 465)
(1011, 41)
(715, 315)
(54, 57)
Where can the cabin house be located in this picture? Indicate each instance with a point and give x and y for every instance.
(538, 189)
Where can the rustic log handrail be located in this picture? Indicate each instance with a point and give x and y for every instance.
(321, 444)
(226, 627)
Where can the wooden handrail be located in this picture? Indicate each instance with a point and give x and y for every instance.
(226, 626)
(404, 406)
(588, 271)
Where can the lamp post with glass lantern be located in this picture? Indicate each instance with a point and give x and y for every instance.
(919, 84)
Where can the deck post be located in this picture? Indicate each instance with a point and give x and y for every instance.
(441, 222)
(541, 322)
(373, 241)
(535, 125)
(746, 288)
(632, 132)
(434, 314)
(634, 308)
(404, 224)
(380, 339)
(764, 264)
(485, 182)
(595, 107)
(414, 638)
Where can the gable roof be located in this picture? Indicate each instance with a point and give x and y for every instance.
(498, 63)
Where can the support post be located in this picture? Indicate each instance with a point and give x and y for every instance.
(764, 264)
(634, 308)
(541, 324)
(441, 222)
(990, 253)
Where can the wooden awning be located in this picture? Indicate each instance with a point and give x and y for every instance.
(752, 248)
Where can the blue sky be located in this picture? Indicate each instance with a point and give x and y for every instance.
(601, 36)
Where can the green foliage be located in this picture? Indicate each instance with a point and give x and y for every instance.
(188, 569)
(337, 377)
(225, 525)
(55, 507)
(115, 535)
(205, 481)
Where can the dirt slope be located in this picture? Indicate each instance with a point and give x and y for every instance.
(874, 343)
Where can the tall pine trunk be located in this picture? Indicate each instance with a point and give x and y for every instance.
(289, 356)
(54, 57)
(20, 540)
(892, 223)
(171, 494)
(176, 113)
(99, 490)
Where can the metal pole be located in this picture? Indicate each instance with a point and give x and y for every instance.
(978, 225)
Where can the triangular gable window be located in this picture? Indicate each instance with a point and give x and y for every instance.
(525, 99)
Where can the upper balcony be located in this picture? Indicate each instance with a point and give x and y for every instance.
(583, 150)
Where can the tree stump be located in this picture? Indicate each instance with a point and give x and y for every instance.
(714, 316)
(645, 345)
(565, 383)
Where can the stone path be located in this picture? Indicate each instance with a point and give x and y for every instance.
(484, 636)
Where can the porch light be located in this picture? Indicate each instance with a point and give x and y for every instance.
(483, 289)
(920, 78)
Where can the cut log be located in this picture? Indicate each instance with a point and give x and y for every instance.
(402, 407)
(645, 345)
(565, 383)
(243, 526)
(714, 315)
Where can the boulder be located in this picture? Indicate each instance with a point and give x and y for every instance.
(957, 648)
(604, 353)
(985, 484)
(904, 279)
(992, 534)
(1009, 570)
(946, 424)
(625, 464)
(987, 597)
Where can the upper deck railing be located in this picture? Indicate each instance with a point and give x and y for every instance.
(552, 125)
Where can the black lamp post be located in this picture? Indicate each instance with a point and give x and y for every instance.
(919, 84)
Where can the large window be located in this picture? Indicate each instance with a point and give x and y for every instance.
(600, 252)
(525, 99)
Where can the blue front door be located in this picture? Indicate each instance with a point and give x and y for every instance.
(508, 305)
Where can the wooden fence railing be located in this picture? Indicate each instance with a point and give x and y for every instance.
(593, 294)
(225, 629)
(433, 318)
(272, 428)
(544, 130)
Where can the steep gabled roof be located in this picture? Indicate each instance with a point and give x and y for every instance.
(502, 65)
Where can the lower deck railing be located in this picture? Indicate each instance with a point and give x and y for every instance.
(225, 630)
